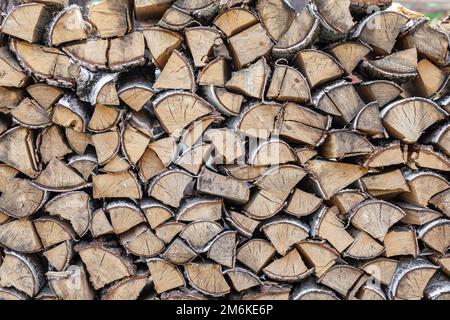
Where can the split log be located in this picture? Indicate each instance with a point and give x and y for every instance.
(110, 18)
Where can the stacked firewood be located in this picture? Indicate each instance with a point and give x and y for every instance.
(198, 149)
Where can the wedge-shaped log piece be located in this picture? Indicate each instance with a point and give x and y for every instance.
(201, 42)
(21, 198)
(310, 290)
(341, 144)
(380, 30)
(329, 177)
(136, 93)
(256, 254)
(375, 217)
(384, 185)
(289, 268)
(178, 252)
(340, 278)
(104, 264)
(423, 186)
(215, 73)
(150, 165)
(68, 25)
(23, 272)
(368, 120)
(78, 141)
(161, 43)
(20, 235)
(207, 278)
(363, 246)
(199, 208)
(170, 187)
(47, 64)
(242, 279)
(441, 201)
(222, 249)
(346, 199)
(214, 184)
(301, 33)
(385, 155)
(380, 91)
(276, 17)
(335, 17)
(272, 152)
(106, 145)
(202, 9)
(177, 74)
(72, 284)
(74, 206)
(126, 289)
(165, 276)
(176, 20)
(167, 231)
(410, 279)
(59, 256)
(401, 241)
(425, 157)
(303, 125)
(36, 16)
(318, 67)
(285, 232)
(302, 203)
(317, 254)
(435, 235)
(288, 84)
(259, 120)
(70, 112)
(100, 224)
(234, 20)
(91, 54)
(325, 224)
(156, 213)
(110, 18)
(123, 215)
(430, 79)
(407, 119)
(17, 150)
(248, 45)
(52, 144)
(142, 242)
(116, 185)
(53, 231)
(349, 54)
(59, 177)
(13, 75)
(104, 118)
(250, 81)
(9, 97)
(416, 215)
(134, 143)
(243, 224)
(339, 99)
(440, 137)
(198, 233)
(99, 88)
(227, 144)
(176, 110)
(400, 66)
(381, 269)
(127, 51)
(429, 41)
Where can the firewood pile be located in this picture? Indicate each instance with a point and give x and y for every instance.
(201, 149)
